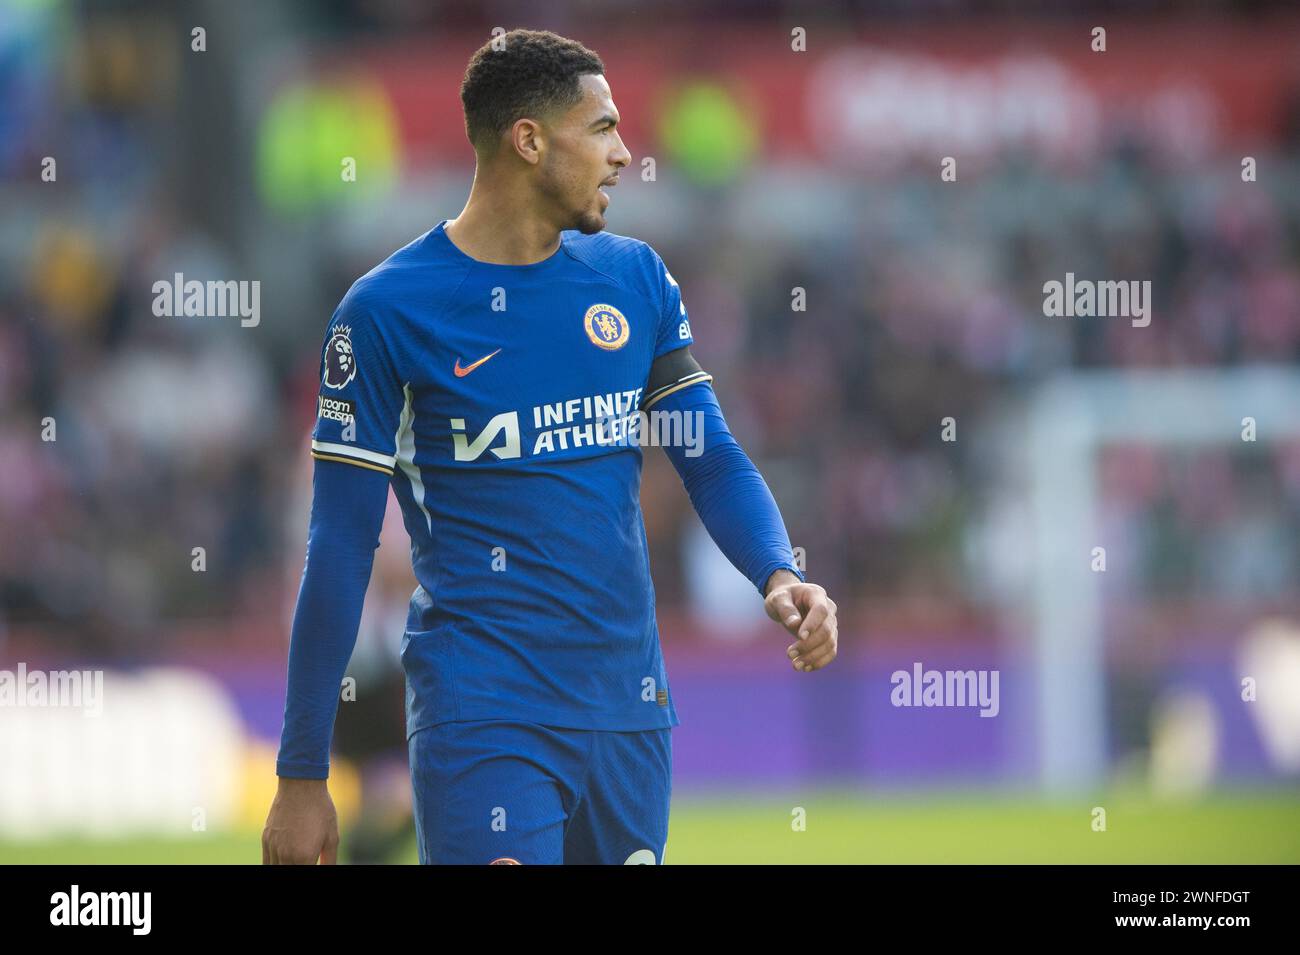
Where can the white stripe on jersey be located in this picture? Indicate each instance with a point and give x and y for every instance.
(352, 451)
(405, 441)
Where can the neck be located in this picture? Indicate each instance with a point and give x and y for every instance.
(501, 225)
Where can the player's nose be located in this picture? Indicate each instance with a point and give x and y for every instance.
(620, 157)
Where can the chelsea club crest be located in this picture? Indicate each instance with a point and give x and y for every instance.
(606, 327)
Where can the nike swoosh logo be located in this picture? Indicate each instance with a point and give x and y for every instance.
(462, 372)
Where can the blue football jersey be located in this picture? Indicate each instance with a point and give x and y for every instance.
(502, 400)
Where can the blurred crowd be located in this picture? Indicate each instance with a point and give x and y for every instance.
(151, 466)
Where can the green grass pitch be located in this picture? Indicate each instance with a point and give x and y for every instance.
(1261, 827)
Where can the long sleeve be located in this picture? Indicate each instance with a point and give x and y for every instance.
(347, 513)
(727, 491)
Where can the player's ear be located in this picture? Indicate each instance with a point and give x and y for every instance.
(528, 140)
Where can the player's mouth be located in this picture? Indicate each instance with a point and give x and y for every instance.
(611, 181)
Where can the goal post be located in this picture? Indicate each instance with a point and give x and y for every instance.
(1070, 420)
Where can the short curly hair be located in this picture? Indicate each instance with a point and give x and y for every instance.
(530, 73)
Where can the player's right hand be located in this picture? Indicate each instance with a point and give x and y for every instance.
(302, 826)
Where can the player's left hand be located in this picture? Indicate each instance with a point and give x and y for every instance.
(809, 614)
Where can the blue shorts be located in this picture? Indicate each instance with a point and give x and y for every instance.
(514, 792)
